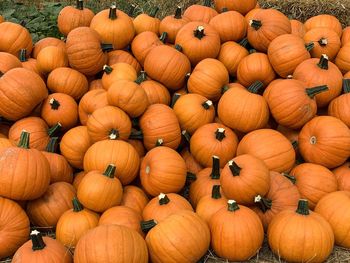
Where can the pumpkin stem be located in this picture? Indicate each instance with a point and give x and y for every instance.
(131, 10)
(24, 140)
(245, 43)
(154, 12)
(215, 192)
(309, 46)
(303, 207)
(256, 24)
(52, 145)
(37, 240)
(290, 177)
(148, 225)
(23, 55)
(141, 78)
(107, 69)
(77, 206)
(255, 87)
(174, 99)
(215, 172)
(295, 144)
(113, 134)
(232, 206)
(190, 177)
(323, 64)
(178, 47)
(54, 104)
(199, 32)
(159, 142)
(110, 171)
(207, 3)
(80, 4)
(346, 85)
(163, 199)
(224, 89)
(136, 135)
(223, 10)
(206, 105)
(235, 169)
(178, 12)
(1, 74)
(186, 135)
(163, 37)
(106, 47)
(54, 130)
(312, 92)
(220, 134)
(323, 42)
(265, 203)
(113, 12)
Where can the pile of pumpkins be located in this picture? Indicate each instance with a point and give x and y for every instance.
(140, 139)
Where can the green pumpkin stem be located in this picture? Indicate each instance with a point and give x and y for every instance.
(55, 104)
(264, 203)
(232, 206)
(303, 207)
(54, 130)
(312, 92)
(163, 199)
(235, 169)
(206, 105)
(159, 142)
(154, 12)
(77, 206)
(256, 24)
(24, 140)
(178, 47)
(323, 42)
(136, 135)
(220, 134)
(110, 171)
(255, 87)
(37, 240)
(148, 225)
(199, 32)
(107, 69)
(141, 78)
(52, 145)
(215, 172)
(163, 37)
(131, 10)
(178, 13)
(224, 89)
(323, 64)
(186, 135)
(106, 47)
(290, 177)
(23, 55)
(215, 192)
(207, 3)
(80, 4)
(310, 46)
(245, 43)
(346, 85)
(190, 177)
(295, 144)
(113, 12)
(174, 99)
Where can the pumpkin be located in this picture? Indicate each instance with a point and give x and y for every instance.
(91, 101)
(208, 79)
(46, 210)
(231, 54)
(164, 205)
(339, 105)
(135, 198)
(236, 225)
(162, 171)
(198, 41)
(8, 61)
(46, 42)
(122, 216)
(74, 145)
(230, 25)
(324, 21)
(334, 208)
(282, 195)
(345, 37)
(263, 145)
(241, 7)
(42, 249)
(320, 144)
(326, 41)
(5, 143)
(14, 227)
(263, 28)
(327, 74)
(15, 37)
(342, 174)
(192, 165)
(50, 58)
(298, 28)
(314, 182)
(21, 91)
(62, 108)
(243, 109)
(193, 111)
(144, 22)
(120, 153)
(95, 84)
(174, 247)
(123, 245)
(77, 179)
(139, 147)
(85, 52)
(71, 17)
(342, 59)
(168, 66)
(159, 125)
(291, 103)
(156, 92)
(119, 71)
(31, 177)
(121, 56)
(74, 223)
(301, 235)
(28, 63)
(172, 24)
(202, 13)
(68, 81)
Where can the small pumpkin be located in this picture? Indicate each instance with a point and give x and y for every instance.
(345, 37)
(77, 179)
(144, 22)
(15, 37)
(339, 105)
(46, 42)
(324, 21)
(298, 28)
(241, 7)
(29, 63)
(202, 13)
(122, 56)
(156, 92)
(8, 61)
(342, 59)
(91, 101)
(50, 58)
(135, 198)
(172, 24)
(342, 173)
(119, 71)
(192, 165)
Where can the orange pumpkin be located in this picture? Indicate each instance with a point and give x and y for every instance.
(338, 107)
(202, 13)
(77, 179)
(144, 22)
(345, 37)
(95, 84)
(8, 61)
(342, 173)
(119, 71)
(50, 58)
(46, 42)
(324, 21)
(91, 101)
(241, 7)
(121, 56)
(28, 63)
(172, 24)
(15, 37)
(156, 92)
(135, 198)
(298, 28)
(231, 54)
(343, 59)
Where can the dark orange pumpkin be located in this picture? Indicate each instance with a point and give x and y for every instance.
(345, 37)
(91, 101)
(202, 13)
(121, 56)
(298, 28)
(144, 22)
(15, 37)
(324, 21)
(50, 58)
(119, 71)
(339, 106)
(77, 179)
(95, 84)
(172, 24)
(239, 6)
(135, 198)
(156, 92)
(231, 54)
(343, 59)
(192, 165)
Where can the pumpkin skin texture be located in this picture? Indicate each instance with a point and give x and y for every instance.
(156, 92)
(345, 38)
(8, 61)
(68, 81)
(314, 182)
(144, 22)
(83, 46)
(261, 144)
(315, 72)
(50, 58)
(91, 101)
(324, 21)
(77, 179)
(173, 247)
(342, 173)
(202, 13)
(339, 106)
(159, 122)
(213, 139)
(135, 198)
(119, 71)
(121, 56)
(208, 78)
(272, 24)
(122, 154)
(46, 42)
(95, 84)
(234, 226)
(243, 109)
(282, 195)
(301, 235)
(334, 207)
(74, 145)
(46, 210)
(172, 24)
(162, 171)
(343, 59)
(168, 66)
(198, 41)
(245, 177)
(15, 37)
(42, 249)
(114, 26)
(71, 17)
(319, 144)
(241, 7)
(21, 91)
(231, 54)
(298, 28)
(14, 225)
(192, 165)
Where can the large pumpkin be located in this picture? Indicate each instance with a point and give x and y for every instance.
(15, 37)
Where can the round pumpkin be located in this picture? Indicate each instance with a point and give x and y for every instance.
(298, 28)
(172, 24)
(15, 37)
(156, 92)
(147, 22)
(345, 37)
(91, 101)
(135, 198)
(77, 179)
(192, 165)
(342, 174)
(8, 61)
(119, 71)
(203, 13)
(324, 21)
(50, 58)
(122, 56)
(46, 42)
(241, 7)
(339, 106)
(343, 59)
